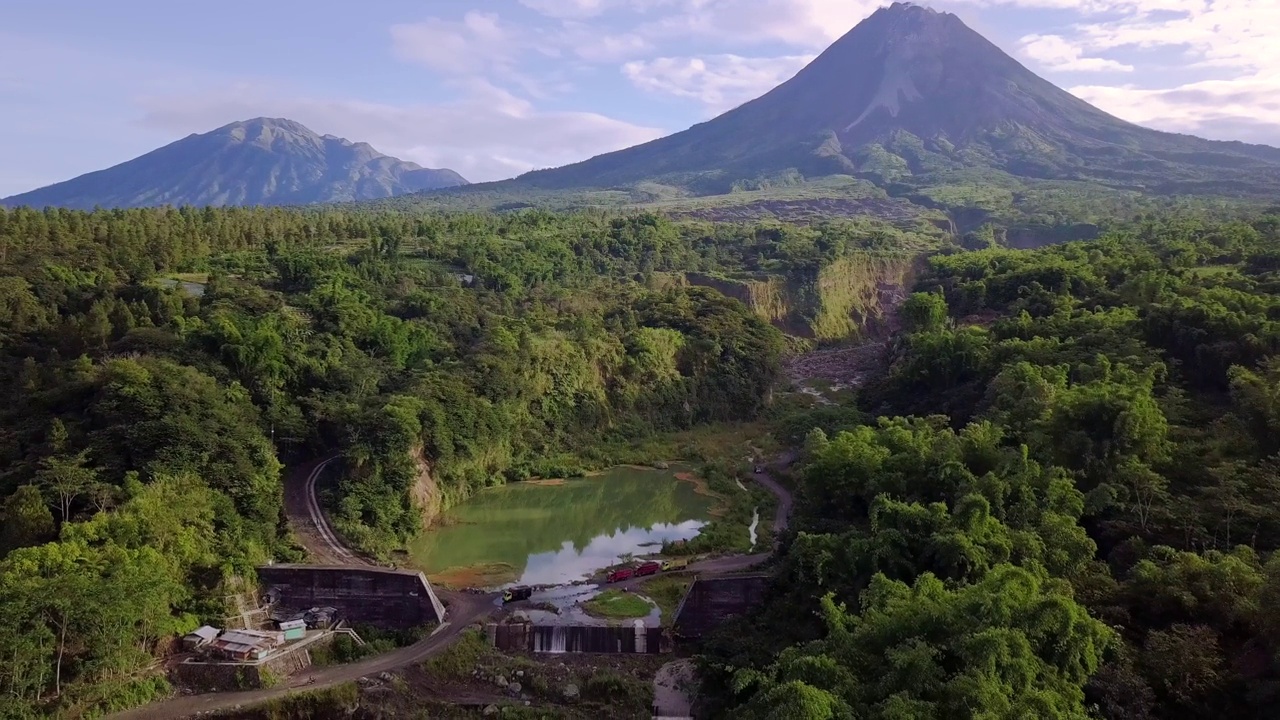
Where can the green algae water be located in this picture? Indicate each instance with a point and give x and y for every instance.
(546, 533)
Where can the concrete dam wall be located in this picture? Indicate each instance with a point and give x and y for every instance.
(384, 598)
(711, 601)
(578, 638)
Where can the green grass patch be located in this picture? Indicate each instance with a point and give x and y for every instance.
(667, 591)
(618, 605)
(461, 658)
(729, 530)
(1208, 271)
(329, 702)
(344, 649)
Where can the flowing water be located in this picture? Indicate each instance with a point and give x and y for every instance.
(543, 533)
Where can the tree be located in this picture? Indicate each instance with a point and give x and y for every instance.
(66, 478)
(26, 520)
(925, 312)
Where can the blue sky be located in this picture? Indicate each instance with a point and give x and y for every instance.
(492, 88)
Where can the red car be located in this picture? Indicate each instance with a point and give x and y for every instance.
(649, 568)
(619, 575)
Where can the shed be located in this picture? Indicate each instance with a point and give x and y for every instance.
(199, 637)
(294, 629)
(247, 644)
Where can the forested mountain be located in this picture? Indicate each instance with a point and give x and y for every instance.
(263, 161)
(912, 97)
(139, 481)
(1058, 501)
(1058, 498)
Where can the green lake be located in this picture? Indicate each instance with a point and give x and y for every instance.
(558, 532)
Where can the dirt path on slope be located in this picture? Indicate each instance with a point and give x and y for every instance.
(307, 520)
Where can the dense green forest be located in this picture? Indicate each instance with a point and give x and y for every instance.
(1060, 500)
(146, 425)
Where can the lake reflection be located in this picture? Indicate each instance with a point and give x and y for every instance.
(570, 563)
(561, 533)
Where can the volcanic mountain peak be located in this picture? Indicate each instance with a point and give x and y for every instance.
(263, 161)
(910, 93)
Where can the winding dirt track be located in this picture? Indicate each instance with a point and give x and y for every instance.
(308, 522)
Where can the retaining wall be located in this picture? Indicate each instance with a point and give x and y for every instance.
(384, 598)
(711, 601)
(227, 676)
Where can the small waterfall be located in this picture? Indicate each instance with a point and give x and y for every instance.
(755, 522)
(550, 639)
(642, 637)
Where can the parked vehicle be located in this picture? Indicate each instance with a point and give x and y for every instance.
(516, 594)
(675, 564)
(619, 575)
(649, 568)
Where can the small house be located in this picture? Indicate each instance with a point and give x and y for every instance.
(294, 629)
(247, 645)
(199, 637)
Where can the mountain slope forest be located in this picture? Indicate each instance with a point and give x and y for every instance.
(1058, 500)
(159, 366)
(1061, 500)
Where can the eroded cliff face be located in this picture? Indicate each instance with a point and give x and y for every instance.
(852, 297)
(425, 493)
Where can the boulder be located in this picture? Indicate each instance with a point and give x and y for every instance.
(571, 692)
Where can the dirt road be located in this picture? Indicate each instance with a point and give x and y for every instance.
(781, 516)
(307, 519)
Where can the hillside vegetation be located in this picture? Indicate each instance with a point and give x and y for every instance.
(146, 422)
(1062, 503)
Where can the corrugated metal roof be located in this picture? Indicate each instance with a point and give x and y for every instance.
(249, 639)
(206, 632)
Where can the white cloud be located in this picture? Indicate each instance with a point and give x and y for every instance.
(719, 82)
(475, 45)
(1243, 108)
(1226, 45)
(566, 8)
(1055, 53)
(488, 135)
(811, 24)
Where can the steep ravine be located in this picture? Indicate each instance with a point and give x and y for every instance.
(847, 299)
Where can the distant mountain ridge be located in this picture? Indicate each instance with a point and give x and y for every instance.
(263, 161)
(911, 92)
